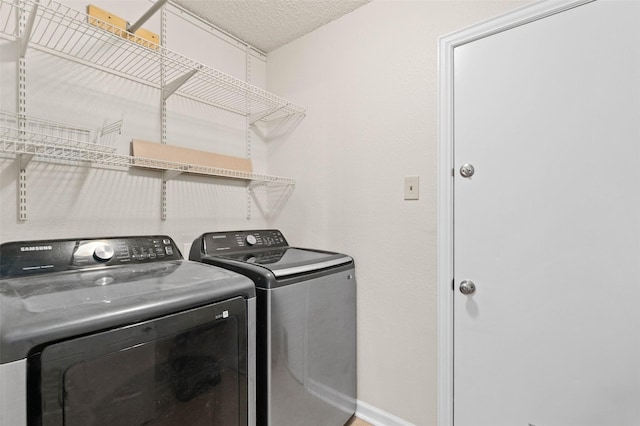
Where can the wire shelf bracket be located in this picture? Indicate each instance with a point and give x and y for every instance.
(262, 116)
(132, 28)
(23, 161)
(276, 195)
(168, 175)
(171, 87)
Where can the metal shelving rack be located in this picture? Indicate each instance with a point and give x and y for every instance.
(65, 32)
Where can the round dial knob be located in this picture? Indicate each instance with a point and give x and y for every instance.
(103, 252)
(251, 240)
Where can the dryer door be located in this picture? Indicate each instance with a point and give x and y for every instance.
(187, 368)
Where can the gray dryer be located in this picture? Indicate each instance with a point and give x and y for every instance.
(122, 330)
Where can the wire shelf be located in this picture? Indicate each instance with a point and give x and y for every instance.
(65, 32)
(43, 145)
(26, 128)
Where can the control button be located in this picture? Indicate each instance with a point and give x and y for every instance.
(103, 252)
(169, 250)
(251, 240)
(166, 241)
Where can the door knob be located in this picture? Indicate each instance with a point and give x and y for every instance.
(467, 287)
(467, 170)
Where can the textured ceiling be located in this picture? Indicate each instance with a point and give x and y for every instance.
(269, 24)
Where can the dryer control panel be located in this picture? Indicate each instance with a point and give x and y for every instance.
(33, 257)
(215, 243)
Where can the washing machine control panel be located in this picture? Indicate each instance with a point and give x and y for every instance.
(32, 257)
(124, 251)
(229, 242)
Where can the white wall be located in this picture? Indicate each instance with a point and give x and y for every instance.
(65, 201)
(369, 81)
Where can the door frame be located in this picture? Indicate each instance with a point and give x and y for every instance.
(446, 173)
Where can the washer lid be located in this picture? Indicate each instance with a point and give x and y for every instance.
(291, 261)
(53, 306)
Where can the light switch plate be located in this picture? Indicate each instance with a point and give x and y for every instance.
(412, 187)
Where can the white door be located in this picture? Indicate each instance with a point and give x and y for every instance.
(548, 226)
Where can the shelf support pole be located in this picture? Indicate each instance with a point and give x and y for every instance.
(163, 200)
(170, 88)
(163, 111)
(132, 28)
(248, 77)
(25, 26)
(167, 175)
(23, 160)
(26, 31)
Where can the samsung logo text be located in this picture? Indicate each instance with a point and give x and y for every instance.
(36, 248)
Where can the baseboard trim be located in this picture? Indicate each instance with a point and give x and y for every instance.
(378, 417)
